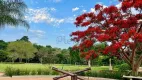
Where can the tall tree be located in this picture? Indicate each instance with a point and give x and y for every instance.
(42, 53)
(21, 49)
(25, 38)
(12, 13)
(3, 45)
(74, 56)
(3, 55)
(118, 26)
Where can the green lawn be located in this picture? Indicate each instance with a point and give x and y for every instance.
(34, 66)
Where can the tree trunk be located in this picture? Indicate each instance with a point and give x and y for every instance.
(26, 60)
(41, 60)
(135, 71)
(89, 63)
(110, 66)
(20, 60)
(12, 60)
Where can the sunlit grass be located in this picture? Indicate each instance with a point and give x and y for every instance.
(34, 66)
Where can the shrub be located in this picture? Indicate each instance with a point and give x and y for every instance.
(33, 72)
(105, 74)
(39, 71)
(54, 73)
(16, 71)
(124, 67)
(9, 71)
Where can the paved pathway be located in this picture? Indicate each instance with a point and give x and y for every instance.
(41, 78)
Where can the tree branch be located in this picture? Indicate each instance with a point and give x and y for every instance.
(139, 62)
(125, 56)
(140, 22)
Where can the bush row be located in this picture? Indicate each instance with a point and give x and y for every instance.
(11, 71)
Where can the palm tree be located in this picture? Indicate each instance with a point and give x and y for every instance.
(12, 13)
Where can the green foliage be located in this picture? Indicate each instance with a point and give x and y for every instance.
(74, 56)
(11, 71)
(105, 74)
(21, 50)
(124, 67)
(8, 71)
(61, 58)
(3, 45)
(10, 8)
(25, 38)
(28, 69)
(3, 55)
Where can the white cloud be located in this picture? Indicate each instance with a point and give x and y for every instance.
(55, 1)
(38, 33)
(44, 15)
(92, 10)
(52, 9)
(84, 11)
(75, 9)
(119, 5)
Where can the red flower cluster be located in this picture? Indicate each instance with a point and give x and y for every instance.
(87, 43)
(124, 37)
(131, 3)
(138, 4)
(80, 19)
(132, 31)
(107, 50)
(126, 5)
(110, 9)
(139, 16)
(116, 46)
(98, 7)
(103, 37)
(78, 34)
(86, 23)
(100, 17)
(89, 55)
(138, 37)
(112, 30)
(94, 29)
(124, 24)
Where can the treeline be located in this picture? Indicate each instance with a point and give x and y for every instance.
(23, 51)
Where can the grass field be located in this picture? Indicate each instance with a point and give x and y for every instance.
(34, 66)
(45, 69)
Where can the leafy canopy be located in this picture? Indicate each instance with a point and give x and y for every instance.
(118, 26)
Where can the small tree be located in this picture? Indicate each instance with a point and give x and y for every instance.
(118, 26)
(43, 52)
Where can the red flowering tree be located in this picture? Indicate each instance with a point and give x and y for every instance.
(119, 27)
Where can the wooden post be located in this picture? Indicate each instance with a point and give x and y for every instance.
(73, 75)
(110, 66)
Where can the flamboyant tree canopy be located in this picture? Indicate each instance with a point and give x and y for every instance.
(117, 26)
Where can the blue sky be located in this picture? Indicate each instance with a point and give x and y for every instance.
(51, 21)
